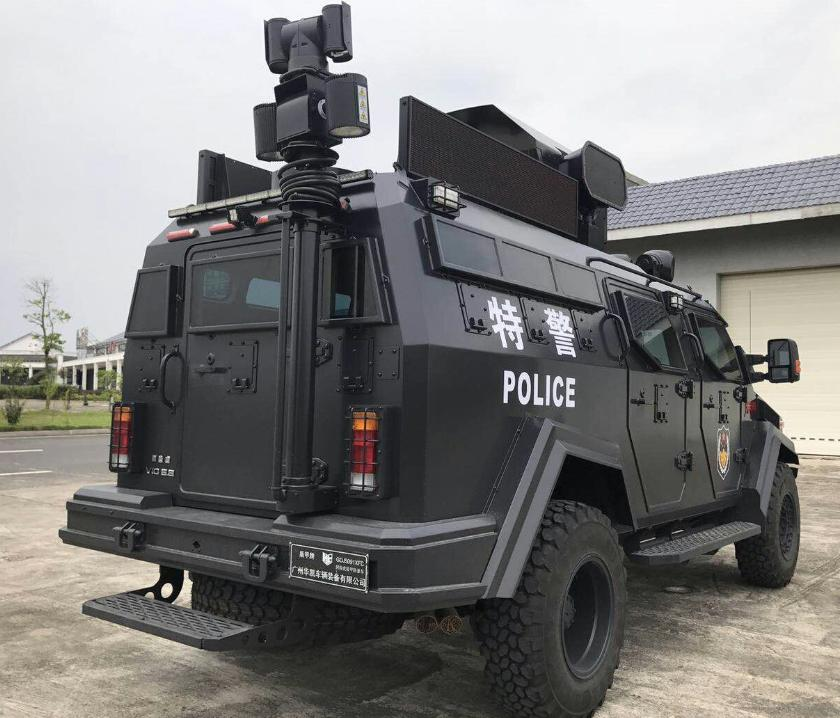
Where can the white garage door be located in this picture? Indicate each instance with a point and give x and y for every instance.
(803, 304)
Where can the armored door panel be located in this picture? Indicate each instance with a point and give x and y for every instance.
(721, 412)
(656, 417)
(655, 408)
(231, 376)
(721, 435)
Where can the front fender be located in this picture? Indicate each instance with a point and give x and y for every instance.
(767, 447)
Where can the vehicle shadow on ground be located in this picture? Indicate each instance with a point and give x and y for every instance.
(411, 674)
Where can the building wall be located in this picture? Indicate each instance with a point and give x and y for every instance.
(701, 257)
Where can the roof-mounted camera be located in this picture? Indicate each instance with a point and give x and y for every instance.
(310, 103)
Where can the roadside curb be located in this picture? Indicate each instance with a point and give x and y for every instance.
(52, 432)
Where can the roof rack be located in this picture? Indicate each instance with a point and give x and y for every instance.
(649, 279)
(254, 197)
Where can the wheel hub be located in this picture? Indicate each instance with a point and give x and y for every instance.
(787, 526)
(587, 617)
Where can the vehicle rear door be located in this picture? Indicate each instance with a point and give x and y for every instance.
(231, 364)
(720, 410)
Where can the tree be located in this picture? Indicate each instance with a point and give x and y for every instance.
(45, 316)
(110, 381)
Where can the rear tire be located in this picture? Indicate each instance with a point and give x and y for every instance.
(308, 622)
(769, 559)
(552, 650)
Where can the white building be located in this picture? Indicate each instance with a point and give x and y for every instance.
(83, 370)
(27, 350)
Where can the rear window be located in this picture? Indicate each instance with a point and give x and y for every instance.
(152, 305)
(350, 289)
(235, 291)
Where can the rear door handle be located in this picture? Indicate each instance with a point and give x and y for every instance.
(163, 362)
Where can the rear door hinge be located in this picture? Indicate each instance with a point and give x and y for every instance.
(684, 461)
(323, 351)
(130, 536)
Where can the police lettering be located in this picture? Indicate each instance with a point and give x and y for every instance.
(538, 389)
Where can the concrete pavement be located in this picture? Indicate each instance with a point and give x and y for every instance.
(722, 649)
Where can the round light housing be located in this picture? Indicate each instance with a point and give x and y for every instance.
(348, 111)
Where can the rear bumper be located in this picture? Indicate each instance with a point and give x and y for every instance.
(413, 567)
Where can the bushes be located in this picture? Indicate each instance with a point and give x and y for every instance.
(37, 392)
(22, 392)
(13, 409)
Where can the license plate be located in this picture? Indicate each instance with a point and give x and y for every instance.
(335, 568)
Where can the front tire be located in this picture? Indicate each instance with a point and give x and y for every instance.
(769, 559)
(552, 649)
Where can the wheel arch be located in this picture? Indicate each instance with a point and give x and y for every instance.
(768, 447)
(561, 463)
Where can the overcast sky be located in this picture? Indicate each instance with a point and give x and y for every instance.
(106, 104)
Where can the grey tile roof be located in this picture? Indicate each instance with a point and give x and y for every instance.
(760, 189)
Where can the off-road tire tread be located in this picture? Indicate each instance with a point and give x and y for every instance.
(758, 556)
(510, 633)
(309, 622)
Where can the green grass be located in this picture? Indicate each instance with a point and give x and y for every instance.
(58, 419)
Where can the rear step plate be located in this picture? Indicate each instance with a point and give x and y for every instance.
(184, 625)
(688, 546)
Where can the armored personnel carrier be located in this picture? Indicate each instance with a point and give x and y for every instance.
(354, 397)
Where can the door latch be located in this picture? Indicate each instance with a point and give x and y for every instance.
(685, 388)
(660, 404)
(684, 461)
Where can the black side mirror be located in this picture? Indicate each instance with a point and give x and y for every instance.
(782, 361)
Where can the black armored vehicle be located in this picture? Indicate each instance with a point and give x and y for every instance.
(352, 398)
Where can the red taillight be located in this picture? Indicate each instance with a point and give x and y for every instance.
(364, 452)
(122, 436)
(752, 408)
(181, 234)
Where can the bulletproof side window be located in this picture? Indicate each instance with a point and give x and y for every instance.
(465, 251)
(235, 290)
(152, 312)
(652, 330)
(718, 348)
(351, 290)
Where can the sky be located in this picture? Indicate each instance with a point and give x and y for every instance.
(105, 105)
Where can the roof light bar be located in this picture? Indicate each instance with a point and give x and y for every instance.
(177, 234)
(220, 227)
(264, 196)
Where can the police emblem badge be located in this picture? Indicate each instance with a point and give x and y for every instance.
(723, 451)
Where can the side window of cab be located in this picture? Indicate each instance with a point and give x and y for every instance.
(652, 331)
(718, 348)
